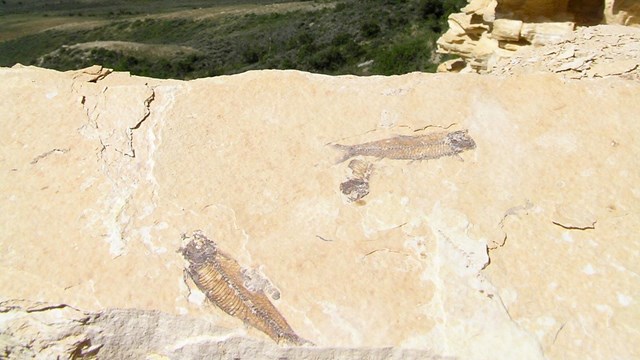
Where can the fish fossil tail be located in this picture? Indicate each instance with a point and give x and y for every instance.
(223, 282)
(348, 152)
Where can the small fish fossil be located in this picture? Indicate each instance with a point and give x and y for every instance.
(355, 189)
(422, 147)
(361, 169)
(223, 280)
(357, 186)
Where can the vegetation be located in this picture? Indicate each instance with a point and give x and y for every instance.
(341, 37)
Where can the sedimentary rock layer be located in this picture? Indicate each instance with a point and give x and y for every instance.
(488, 29)
(525, 247)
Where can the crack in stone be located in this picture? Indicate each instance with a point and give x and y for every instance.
(147, 113)
(555, 337)
(46, 154)
(111, 123)
(575, 227)
(47, 307)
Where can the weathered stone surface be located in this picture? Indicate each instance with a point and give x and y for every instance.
(597, 51)
(547, 33)
(520, 248)
(508, 30)
(49, 331)
(487, 29)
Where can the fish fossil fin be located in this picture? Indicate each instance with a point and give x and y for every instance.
(221, 279)
(348, 152)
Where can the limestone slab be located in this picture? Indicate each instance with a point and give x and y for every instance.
(523, 247)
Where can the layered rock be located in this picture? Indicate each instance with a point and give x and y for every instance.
(522, 246)
(596, 51)
(488, 29)
(50, 331)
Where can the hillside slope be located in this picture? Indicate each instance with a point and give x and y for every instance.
(331, 37)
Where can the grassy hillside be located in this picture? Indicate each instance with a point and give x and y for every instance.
(190, 39)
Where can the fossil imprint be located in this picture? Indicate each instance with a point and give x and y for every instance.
(225, 283)
(402, 147)
(357, 185)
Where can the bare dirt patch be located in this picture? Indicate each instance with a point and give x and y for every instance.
(15, 26)
(207, 13)
(136, 48)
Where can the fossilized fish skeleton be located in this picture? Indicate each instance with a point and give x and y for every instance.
(402, 147)
(221, 279)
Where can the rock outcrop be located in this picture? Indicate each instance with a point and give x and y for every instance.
(50, 331)
(595, 51)
(489, 29)
(523, 246)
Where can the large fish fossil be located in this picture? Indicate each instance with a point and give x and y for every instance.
(223, 281)
(422, 147)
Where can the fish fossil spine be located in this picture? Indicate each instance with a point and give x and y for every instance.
(402, 147)
(222, 280)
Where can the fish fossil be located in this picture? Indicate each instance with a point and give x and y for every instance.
(422, 147)
(361, 169)
(357, 185)
(223, 281)
(355, 189)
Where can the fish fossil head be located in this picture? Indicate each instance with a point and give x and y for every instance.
(198, 248)
(460, 140)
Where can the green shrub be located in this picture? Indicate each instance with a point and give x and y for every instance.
(451, 6)
(431, 9)
(252, 55)
(329, 59)
(341, 6)
(406, 55)
(370, 29)
(398, 38)
(342, 39)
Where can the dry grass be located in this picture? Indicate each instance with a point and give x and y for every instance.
(197, 38)
(15, 26)
(136, 48)
(244, 9)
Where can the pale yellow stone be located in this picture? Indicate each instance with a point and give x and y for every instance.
(510, 46)
(538, 22)
(614, 68)
(547, 33)
(479, 6)
(597, 51)
(453, 65)
(100, 180)
(505, 29)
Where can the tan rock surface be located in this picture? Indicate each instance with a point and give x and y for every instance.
(46, 331)
(597, 51)
(521, 248)
(489, 29)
